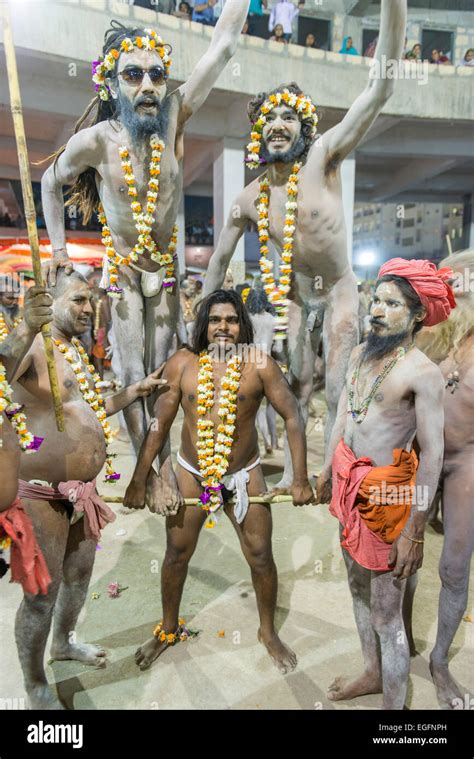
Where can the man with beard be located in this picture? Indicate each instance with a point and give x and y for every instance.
(393, 393)
(297, 203)
(57, 485)
(126, 161)
(454, 340)
(219, 458)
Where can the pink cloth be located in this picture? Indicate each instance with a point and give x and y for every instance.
(430, 284)
(364, 546)
(28, 565)
(82, 496)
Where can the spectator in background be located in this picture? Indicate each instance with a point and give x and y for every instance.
(415, 53)
(255, 13)
(184, 11)
(468, 59)
(283, 12)
(310, 40)
(279, 35)
(347, 47)
(437, 57)
(370, 51)
(204, 12)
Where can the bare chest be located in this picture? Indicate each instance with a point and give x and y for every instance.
(248, 398)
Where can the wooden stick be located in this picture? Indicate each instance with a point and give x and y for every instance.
(450, 249)
(196, 501)
(30, 214)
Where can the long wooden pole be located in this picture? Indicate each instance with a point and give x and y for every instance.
(196, 501)
(30, 213)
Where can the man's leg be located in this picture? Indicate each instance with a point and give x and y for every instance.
(454, 566)
(408, 599)
(127, 322)
(76, 574)
(33, 619)
(182, 533)
(161, 324)
(340, 336)
(371, 679)
(386, 602)
(301, 352)
(255, 535)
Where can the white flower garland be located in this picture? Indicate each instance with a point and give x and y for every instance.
(213, 454)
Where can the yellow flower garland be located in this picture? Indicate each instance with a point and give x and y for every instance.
(277, 293)
(303, 106)
(101, 68)
(92, 397)
(213, 454)
(144, 221)
(26, 440)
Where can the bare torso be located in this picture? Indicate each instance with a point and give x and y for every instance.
(459, 406)
(245, 443)
(79, 452)
(320, 247)
(391, 419)
(113, 190)
(9, 464)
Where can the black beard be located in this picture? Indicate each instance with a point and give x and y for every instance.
(289, 157)
(378, 346)
(140, 128)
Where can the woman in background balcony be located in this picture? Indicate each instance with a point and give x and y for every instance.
(347, 47)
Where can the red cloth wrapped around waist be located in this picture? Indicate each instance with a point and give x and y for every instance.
(371, 503)
(82, 496)
(28, 565)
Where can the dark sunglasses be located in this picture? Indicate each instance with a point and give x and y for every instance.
(135, 74)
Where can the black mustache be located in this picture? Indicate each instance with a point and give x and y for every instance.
(377, 321)
(148, 99)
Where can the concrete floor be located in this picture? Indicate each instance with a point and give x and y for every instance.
(231, 672)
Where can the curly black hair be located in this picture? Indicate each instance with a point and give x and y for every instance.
(254, 105)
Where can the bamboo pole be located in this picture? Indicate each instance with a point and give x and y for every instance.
(27, 191)
(196, 501)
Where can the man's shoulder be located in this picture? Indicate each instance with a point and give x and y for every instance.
(426, 374)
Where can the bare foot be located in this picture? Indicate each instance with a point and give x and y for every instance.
(151, 650)
(361, 686)
(447, 690)
(280, 489)
(42, 697)
(87, 653)
(283, 657)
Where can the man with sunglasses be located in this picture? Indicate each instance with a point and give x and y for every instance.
(125, 161)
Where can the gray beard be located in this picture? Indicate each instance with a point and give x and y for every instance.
(378, 346)
(140, 128)
(289, 157)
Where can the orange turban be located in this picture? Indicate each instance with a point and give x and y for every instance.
(429, 283)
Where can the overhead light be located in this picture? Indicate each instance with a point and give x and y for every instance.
(367, 257)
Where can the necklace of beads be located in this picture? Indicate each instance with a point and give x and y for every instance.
(93, 397)
(144, 220)
(359, 414)
(213, 454)
(277, 293)
(13, 411)
(4, 329)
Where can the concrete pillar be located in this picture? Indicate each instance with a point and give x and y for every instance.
(180, 221)
(348, 189)
(228, 182)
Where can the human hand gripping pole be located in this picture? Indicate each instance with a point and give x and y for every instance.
(30, 214)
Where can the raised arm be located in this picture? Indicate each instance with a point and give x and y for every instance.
(81, 153)
(407, 555)
(220, 259)
(164, 413)
(279, 394)
(222, 48)
(345, 136)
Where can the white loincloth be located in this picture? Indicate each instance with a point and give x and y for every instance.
(236, 482)
(151, 281)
